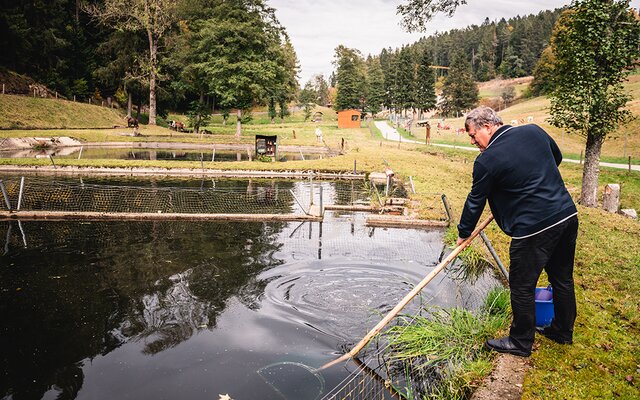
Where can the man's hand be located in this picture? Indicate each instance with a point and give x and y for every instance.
(460, 241)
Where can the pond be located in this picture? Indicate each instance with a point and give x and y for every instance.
(151, 154)
(194, 310)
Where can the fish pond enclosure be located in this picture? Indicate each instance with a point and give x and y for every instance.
(193, 309)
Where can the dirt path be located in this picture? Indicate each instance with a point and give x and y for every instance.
(505, 382)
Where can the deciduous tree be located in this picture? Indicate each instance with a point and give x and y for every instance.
(596, 44)
(154, 17)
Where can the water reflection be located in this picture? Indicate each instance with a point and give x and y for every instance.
(103, 310)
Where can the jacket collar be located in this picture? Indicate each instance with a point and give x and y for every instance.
(498, 133)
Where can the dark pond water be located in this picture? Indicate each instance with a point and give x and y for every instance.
(194, 310)
(149, 154)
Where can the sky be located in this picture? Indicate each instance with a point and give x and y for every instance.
(316, 28)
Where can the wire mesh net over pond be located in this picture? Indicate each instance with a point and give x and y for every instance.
(211, 196)
(195, 310)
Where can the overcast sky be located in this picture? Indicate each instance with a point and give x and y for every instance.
(316, 28)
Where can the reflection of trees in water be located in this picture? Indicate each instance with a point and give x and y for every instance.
(87, 288)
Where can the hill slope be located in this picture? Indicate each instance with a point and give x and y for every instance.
(23, 112)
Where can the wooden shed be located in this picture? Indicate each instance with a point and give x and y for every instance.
(349, 118)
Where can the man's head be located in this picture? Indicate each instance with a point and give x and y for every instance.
(481, 124)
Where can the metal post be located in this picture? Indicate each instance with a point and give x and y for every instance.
(486, 241)
(354, 166)
(386, 188)
(447, 209)
(413, 188)
(298, 201)
(6, 196)
(321, 210)
(20, 193)
(213, 155)
(302, 155)
(310, 191)
(629, 163)
(580, 157)
(52, 162)
(80, 155)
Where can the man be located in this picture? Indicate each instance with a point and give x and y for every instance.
(517, 172)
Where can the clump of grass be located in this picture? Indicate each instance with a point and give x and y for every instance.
(474, 262)
(442, 354)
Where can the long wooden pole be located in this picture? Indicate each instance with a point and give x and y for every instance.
(365, 340)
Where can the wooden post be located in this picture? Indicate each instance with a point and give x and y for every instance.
(74, 98)
(611, 197)
(580, 157)
(629, 163)
(354, 166)
(3, 88)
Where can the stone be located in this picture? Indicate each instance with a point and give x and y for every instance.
(629, 212)
(611, 198)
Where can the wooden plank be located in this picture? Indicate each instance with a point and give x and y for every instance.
(403, 222)
(104, 216)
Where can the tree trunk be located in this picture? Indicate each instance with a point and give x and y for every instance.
(239, 123)
(129, 105)
(153, 61)
(591, 170)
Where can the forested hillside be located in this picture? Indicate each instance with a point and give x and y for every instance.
(187, 55)
(510, 48)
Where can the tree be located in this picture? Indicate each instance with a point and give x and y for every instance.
(322, 89)
(375, 85)
(307, 97)
(426, 83)
(287, 78)
(459, 91)
(416, 13)
(154, 18)
(350, 78)
(240, 51)
(508, 95)
(406, 80)
(543, 74)
(596, 47)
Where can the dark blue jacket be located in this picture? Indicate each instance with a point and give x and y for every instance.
(518, 173)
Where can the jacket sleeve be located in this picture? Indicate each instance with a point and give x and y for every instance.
(557, 154)
(476, 200)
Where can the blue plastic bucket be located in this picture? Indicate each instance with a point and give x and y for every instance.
(544, 306)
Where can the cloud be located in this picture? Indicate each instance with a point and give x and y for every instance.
(316, 28)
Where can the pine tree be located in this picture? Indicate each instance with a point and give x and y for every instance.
(406, 80)
(460, 91)
(350, 78)
(426, 83)
(375, 86)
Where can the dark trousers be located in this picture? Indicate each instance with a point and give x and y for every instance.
(554, 250)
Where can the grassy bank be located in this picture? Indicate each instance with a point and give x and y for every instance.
(23, 112)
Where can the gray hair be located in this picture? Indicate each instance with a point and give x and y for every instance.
(482, 116)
